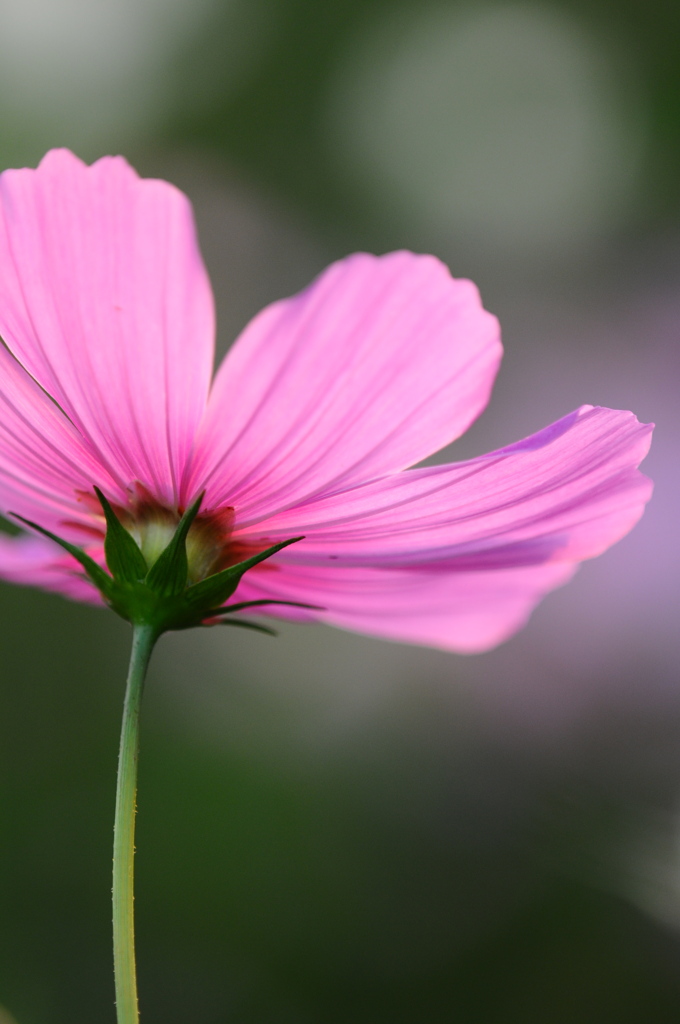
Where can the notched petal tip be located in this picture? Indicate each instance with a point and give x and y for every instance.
(63, 160)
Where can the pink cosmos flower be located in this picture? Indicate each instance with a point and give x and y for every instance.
(308, 428)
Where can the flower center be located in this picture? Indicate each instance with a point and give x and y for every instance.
(196, 562)
(209, 543)
(153, 532)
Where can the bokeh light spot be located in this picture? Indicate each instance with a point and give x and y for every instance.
(87, 73)
(509, 124)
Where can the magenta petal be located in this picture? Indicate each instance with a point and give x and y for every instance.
(564, 494)
(379, 363)
(35, 562)
(105, 301)
(466, 612)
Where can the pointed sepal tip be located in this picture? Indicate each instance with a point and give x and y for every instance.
(123, 555)
(160, 597)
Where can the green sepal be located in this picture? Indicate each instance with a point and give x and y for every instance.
(215, 590)
(123, 555)
(257, 627)
(168, 575)
(229, 608)
(95, 572)
(160, 597)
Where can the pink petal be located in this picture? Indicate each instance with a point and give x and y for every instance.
(457, 556)
(45, 464)
(380, 362)
(105, 301)
(466, 612)
(35, 562)
(564, 494)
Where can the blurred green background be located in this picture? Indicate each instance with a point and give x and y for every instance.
(332, 828)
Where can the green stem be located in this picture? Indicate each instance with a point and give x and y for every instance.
(143, 640)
